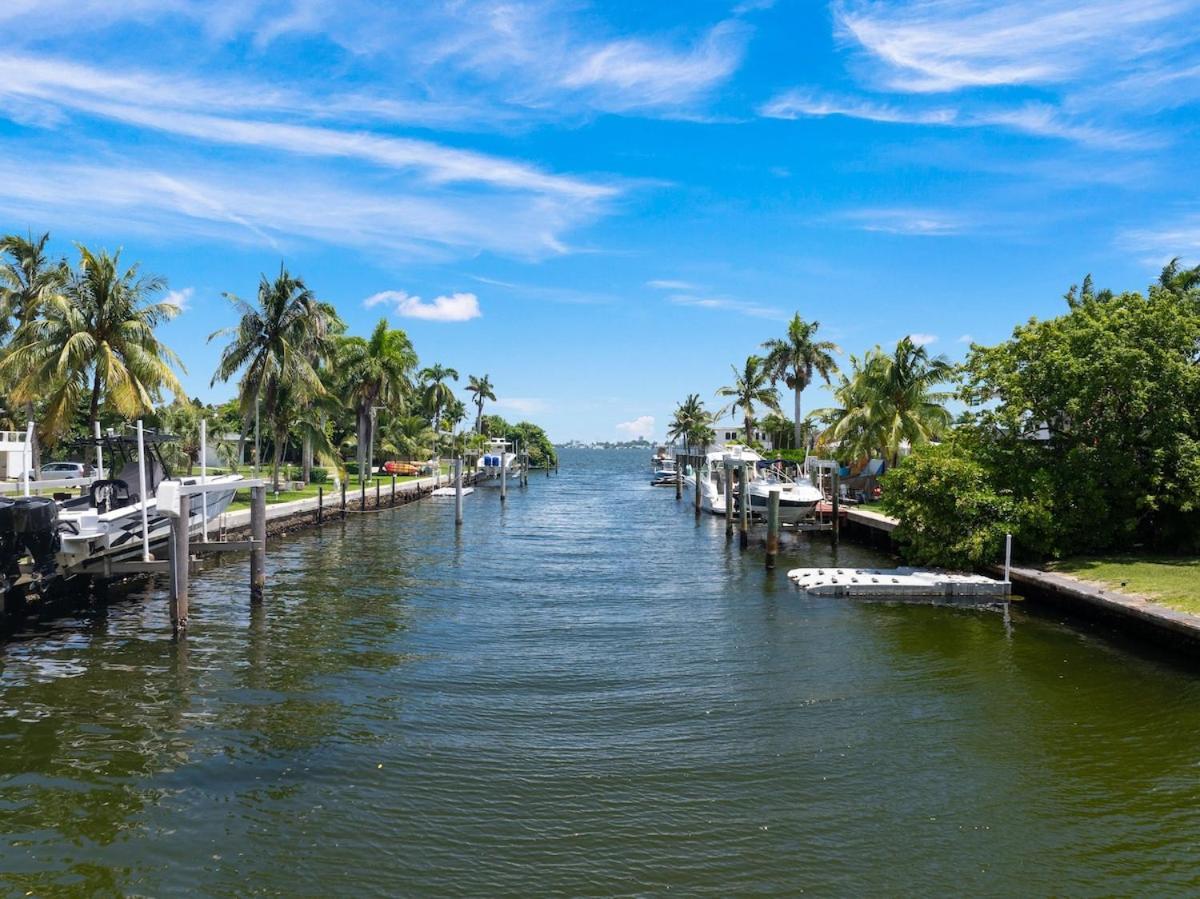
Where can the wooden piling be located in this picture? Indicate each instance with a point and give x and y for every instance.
(728, 485)
(743, 506)
(835, 478)
(696, 468)
(343, 500)
(678, 477)
(503, 477)
(377, 493)
(772, 527)
(394, 488)
(320, 504)
(458, 493)
(258, 533)
(177, 550)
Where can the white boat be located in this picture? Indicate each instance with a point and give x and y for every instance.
(497, 457)
(664, 474)
(107, 520)
(662, 455)
(797, 498)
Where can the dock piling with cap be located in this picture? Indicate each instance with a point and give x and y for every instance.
(728, 472)
(258, 534)
(773, 527)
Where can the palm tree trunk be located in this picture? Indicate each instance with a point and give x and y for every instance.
(360, 450)
(306, 458)
(276, 456)
(749, 427)
(94, 408)
(796, 432)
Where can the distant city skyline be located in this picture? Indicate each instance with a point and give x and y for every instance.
(605, 207)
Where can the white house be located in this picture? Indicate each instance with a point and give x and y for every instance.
(734, 432)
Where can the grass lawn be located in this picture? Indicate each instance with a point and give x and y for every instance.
(241, 499)
(1172, 580)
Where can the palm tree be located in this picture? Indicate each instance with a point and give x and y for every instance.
(483, 390)
(437, 392)
(27, 279)
(751, 386)
(889, 400)
(796, 358)
(300, 413)
(96, 335)
(375, 372)
(690, 421)
(410, 437)
(273, 345)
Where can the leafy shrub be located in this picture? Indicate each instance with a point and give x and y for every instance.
(318, 476)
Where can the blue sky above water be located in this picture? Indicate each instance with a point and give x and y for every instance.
(604, 205)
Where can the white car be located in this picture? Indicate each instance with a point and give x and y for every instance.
(59, 471)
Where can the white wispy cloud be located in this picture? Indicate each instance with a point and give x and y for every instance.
(180, 298)
(921, 339)
(457, 307)
(965, 338)
(642, 426)
(934, 45)
(670, 284)
(1159, 243)
(907, 221)
(800, 102)
(754, 310)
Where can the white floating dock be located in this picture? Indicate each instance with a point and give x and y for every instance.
(450, 491)
(894, 582)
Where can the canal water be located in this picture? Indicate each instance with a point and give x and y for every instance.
(586, 693)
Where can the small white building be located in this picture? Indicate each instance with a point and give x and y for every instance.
(735, 432)
(15, 455)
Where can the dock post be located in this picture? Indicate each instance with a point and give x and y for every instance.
(458, 491)
(678, 477)
(772, 527)
(728, 500)
(698, 488)
(362, 490)
(394, 489)
(1008, 560)
(178, 553)
(320, 503)
(503, 477)
(743, 506)
(258, 533)
(835, 478)
(343, 500)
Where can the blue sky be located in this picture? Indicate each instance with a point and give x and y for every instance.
(603, 206)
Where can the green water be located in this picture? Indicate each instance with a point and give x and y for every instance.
(584, 693)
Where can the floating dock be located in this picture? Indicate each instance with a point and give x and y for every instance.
(450, 491)
(894, 582)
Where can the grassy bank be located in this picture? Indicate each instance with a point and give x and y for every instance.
(1172, 580)
(241, 499)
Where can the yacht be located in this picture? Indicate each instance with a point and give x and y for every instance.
(797, 498)
(497, 456)
(664, 474)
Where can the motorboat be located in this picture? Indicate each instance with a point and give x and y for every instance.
(662, 454)
(798, 498)
(110, 519)
(664, 474)
(496, 458)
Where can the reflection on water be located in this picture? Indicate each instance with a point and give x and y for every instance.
(587, 691)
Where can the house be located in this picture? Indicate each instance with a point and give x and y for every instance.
(734, 432)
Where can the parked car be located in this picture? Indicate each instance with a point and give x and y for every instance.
(59, 471)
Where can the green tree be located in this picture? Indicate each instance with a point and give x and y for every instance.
(691, 422)
(796, 358)
(483, 390)
(436, 393)
(272, 345)
(27, 278)
(375, 372)
(751, 387)
(95, 340)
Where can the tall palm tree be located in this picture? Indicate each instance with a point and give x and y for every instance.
(690, 421)
(796, 358)
(375, 372)
(483, 390)
(95, 337)
(437, 392)
(272, 345)
(889, 400)
(27, 278)
(751, 387)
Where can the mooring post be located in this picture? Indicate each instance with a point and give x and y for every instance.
(377, 493)
(728, 471)
(503, 476)
(178, 553)
(394, 489)
(1008, 559)
(835, 479)
(678, 477)
(343, 499)
(697, 466)
(772, 527)
(258, 533)
(320, 503)
(743, 505)
(362, 489)
(458, 491)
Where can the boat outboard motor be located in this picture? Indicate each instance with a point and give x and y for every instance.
(35, 521)
(10, 544)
